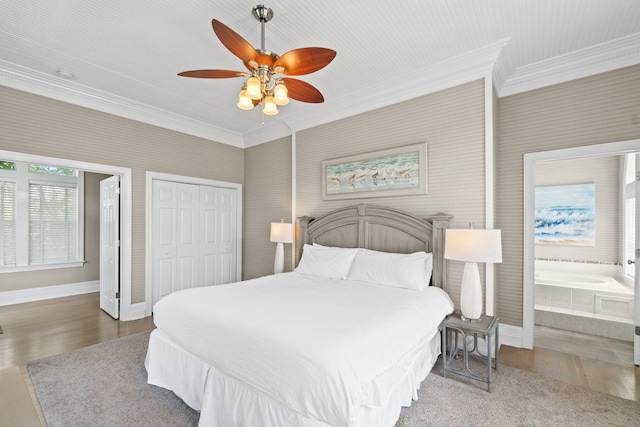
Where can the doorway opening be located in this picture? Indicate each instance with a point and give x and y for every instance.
(128, 311)
(564, 302)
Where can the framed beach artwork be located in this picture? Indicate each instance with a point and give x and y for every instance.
(397, 171)
(565, 215)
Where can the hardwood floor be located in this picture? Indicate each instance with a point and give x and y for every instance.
(44, 328)
(600, 364)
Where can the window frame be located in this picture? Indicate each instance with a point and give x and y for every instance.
(23, 178)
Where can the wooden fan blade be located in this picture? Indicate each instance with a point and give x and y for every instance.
(213, 74)
(235, 43)
(305, 61)
(303, 91)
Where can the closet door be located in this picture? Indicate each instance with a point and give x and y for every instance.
(188, 247)
(194, 240)
(218, 208)
(175, 244)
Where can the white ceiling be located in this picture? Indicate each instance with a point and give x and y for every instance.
(124, 55)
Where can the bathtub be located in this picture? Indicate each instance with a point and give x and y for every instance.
(583, 298)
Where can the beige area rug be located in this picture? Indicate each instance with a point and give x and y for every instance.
(105, 385)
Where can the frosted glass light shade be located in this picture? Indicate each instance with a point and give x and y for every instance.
(253, 88)
(280, 94)
(244, 101)
(270, 107)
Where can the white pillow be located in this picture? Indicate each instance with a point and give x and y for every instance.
(428, 268)
(406, 271)
(428, 263)
(332, 263)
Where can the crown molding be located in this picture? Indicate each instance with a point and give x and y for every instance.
(618, 53)
(27, 80)
(461, 69)
(452, 72)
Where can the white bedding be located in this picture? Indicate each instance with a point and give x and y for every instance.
(321, 348)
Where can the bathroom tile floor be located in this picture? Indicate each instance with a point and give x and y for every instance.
(593, 347)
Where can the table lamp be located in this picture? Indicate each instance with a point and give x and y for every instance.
(280, 233)
(472, 246)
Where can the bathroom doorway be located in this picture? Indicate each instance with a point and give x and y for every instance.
(576, 296)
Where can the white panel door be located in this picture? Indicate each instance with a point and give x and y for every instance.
(194, 238)
(218, 210)
(187, 249)
(110, 246)
(209, 247)
(164, 241)
(227, 231)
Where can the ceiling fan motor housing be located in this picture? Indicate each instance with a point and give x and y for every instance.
(262, 13)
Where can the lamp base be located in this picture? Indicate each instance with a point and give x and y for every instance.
(464, 319)
(471, 293)
(278, 265)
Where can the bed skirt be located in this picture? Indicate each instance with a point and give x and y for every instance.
(224, 401)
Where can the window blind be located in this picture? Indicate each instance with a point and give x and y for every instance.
(53, 223)
(7, 224)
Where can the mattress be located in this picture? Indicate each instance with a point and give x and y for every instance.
(292, 349)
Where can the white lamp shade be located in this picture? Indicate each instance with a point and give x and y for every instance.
(473, 245)
(281, 232)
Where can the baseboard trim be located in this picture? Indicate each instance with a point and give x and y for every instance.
(511, 336)
(48, 292)
(136, 311)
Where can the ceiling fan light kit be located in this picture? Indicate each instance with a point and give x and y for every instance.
(266, 84)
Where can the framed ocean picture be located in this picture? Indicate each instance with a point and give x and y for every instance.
(565, 214)
(397, 171)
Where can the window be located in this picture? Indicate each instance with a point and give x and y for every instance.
(7, 223)
(41, 216)
(629, 213)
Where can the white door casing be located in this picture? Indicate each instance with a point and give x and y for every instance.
(636, 279)
(530, 159)
(110, 246)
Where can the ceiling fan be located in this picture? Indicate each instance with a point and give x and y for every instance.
(266, 83)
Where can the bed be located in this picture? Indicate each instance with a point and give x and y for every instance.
(343, 340)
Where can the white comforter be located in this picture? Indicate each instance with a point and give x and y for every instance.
(321, 347)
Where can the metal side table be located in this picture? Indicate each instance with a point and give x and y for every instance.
(455, 344)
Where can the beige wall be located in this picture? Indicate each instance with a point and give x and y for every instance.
(604, 172)
(267, 199)
(451, 122)
(594, 110)
(36, 125)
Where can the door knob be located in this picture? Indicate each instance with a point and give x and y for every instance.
(630, 261)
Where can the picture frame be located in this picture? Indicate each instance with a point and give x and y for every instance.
(565, 214)
(399, 171)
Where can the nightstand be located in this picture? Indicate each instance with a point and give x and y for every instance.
(460, 339)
